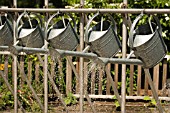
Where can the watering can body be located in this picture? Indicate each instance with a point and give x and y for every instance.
(62, 35)
(30, 35)
(105, 42)
(147, 42)
(6, 32)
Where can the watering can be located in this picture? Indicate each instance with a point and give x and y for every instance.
(62, 35)
(146, 42)
(102, 37)
(6, 31)
(30, 33)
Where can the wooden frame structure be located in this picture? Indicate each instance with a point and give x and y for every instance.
(82, 63)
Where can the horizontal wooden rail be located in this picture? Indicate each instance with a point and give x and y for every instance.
(127, 97)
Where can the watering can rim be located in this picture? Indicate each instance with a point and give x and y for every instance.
(132, 31)
(56, 14)
(110, 27)
(57, 35)
(89, 22)
(20, 17)
(150, 37)
(3, 25)
(33, 29)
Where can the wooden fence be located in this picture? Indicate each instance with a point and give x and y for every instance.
(96, 81)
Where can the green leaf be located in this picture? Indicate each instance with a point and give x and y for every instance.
(146, 98)
(153, 101)
(117, 104)
(114, 97)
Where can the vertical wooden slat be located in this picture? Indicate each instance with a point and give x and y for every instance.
(100, 81)
(156, 77)
(30, 70)
(22, 69)
(6, 66)
(53, 69)
(61, 74)
(164, 76)
(77, 69)
(146, 85)
(85, 75)
(108, 81)
(77, 80)
(37, 72)
(68, 77)
(131, 79)
(116, 69)
(139, 80)
(1, 63)
(53, 65)
(93, 75)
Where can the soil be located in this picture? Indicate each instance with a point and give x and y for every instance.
(109, 107)
(104, 107)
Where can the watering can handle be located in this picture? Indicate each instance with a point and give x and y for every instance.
(49, 20)
(131, 34)
(158, 24)
(89, 22)
(6, 14)
(19, 18)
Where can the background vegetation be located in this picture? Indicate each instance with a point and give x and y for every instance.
(7, 98)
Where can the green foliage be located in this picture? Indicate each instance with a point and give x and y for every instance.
(28, 102)
(116, 101)
(6, 100)
(152, 101)
(70, 99)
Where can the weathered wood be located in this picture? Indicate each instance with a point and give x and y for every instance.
(116, 70)
(22, 70)
(6, 66)
(146, 85)
(108, 81)
(127, 97)
(131, 79)
(154, 93)
(52, 71)
(78, 70)
(93, 77)
(85, 75)
(29, 69)
(156, 76)
(68, 77)
(139, 80)
(142, 92)
(101, 72)
(61, 74)
(37, 72)
(77, 80)
(164, 76)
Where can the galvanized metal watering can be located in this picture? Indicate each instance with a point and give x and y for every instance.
(6, 31)
(62, 35)
(146, 42)
(30, 33)
(102, 37)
